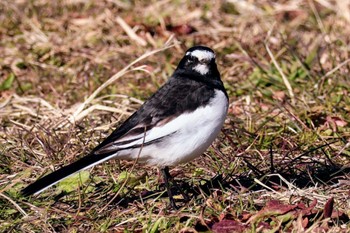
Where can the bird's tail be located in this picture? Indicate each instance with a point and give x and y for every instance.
(58, 175)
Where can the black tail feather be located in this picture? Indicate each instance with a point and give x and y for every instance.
(63, 172)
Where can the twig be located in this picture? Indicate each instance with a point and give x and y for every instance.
(319, 22)
(15, 204)
(130, 32)
(335, 68)
(285, 79)
(267, 187)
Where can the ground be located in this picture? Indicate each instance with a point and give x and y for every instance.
(71, 71)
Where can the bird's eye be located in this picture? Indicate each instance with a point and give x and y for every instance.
(192, 59)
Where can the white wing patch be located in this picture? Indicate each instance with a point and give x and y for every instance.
(202, 54)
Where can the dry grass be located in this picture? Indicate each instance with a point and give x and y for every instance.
(72, 71)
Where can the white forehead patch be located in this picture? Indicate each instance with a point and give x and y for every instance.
(201, 54)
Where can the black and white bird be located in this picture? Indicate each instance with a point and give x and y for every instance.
(175, 125)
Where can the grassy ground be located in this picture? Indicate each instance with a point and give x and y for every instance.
(281, 163)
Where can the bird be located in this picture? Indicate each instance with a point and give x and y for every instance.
(174, 126)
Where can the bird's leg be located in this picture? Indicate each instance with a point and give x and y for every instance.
(167, 176)
(185, 196)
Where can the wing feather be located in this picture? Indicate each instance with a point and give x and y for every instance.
(177, 96)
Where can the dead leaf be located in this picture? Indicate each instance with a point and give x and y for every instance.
(305, 222)
(183, 29)
(334, 122)
(337, 121)
(272, 208)
(245, 216)
(328, 208)
(339, 215)
(279, 95)
(222, 216)
(236, 109)
(308, 210)
(228, 226)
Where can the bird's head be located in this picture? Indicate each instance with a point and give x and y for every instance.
(199, 59)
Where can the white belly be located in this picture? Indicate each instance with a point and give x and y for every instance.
(194, 132)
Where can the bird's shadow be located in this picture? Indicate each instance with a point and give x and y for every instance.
(327, 175)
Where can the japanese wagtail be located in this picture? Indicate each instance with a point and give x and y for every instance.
(175, 125)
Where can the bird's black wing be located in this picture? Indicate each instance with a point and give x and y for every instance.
(178, 95)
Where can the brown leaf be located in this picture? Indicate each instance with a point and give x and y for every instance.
(6, 94)
(183, 29)
(333, 122)
(279, 95)
(245, 216)
(276, 206)
(228, 226)
(272, 208)
(222, 216)
(265, 107)
(305, 222)
(263, 226)
(236, 109)
(339, 214)
(328, 208)
(337, 121)
(308, 210)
